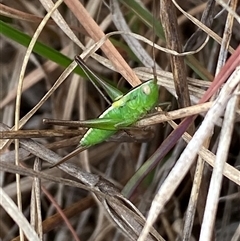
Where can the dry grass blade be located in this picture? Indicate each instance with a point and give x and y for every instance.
(229, 9)
(194, 199)
(186, 159)
(95, 183)
(202, 26)
(61, 23)
(132, 42)
(96, 33)
(60, 80)
(224, 143)
(173, 40)
(14, 212)
(217, 176)
(162, 116)
(18, 99)
(230, 172)
(35, 212)
(40, 133)
(198, 38)
(117, 39)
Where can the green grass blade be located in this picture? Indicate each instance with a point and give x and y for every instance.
(145, 16)
(39, 48)
(42, 49)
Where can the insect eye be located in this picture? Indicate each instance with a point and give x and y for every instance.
(146, 90)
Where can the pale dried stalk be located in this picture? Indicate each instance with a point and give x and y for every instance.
(131, 224)
(217, 176)
(59, 20)
(202, 26)
(191, 209)
(14, 212)
(134, 45)
(18, 99)
(163, 116)
(96, 33)
(224, 142)
(186, 159)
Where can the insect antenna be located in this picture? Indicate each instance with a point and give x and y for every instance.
(155, 7)
(112, 92)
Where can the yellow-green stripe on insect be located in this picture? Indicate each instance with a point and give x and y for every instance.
(124, 111)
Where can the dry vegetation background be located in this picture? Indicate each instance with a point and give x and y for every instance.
(58, 203)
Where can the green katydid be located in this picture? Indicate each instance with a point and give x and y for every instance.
(124, 111)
